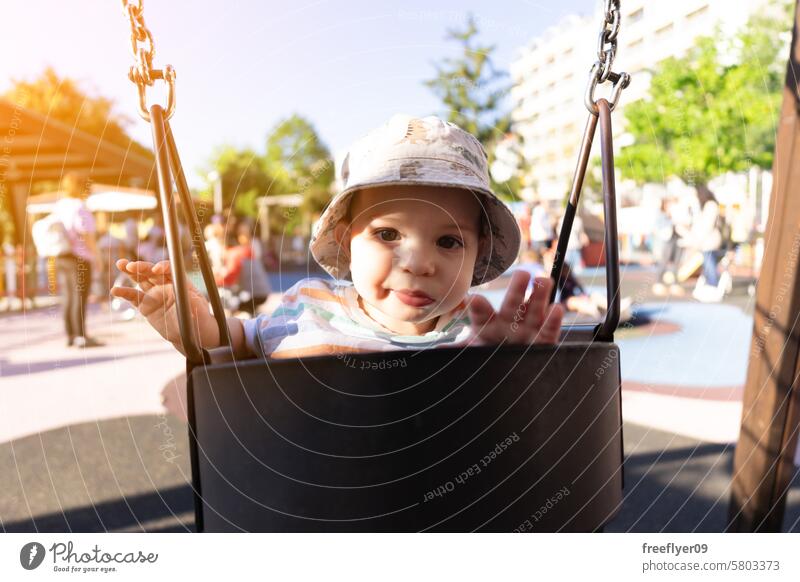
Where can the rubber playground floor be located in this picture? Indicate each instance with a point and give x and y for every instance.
(89, 440)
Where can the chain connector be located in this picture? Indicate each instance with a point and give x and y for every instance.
(168, 75)
(619, 82)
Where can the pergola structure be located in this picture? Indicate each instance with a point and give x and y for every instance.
(36, 148)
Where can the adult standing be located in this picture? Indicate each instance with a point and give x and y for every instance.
(706, 237)
(541, 228)
(74, 268)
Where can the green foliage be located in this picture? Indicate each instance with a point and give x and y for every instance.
(243, 178)
(469, 89)
(295, 161)
(711, 111)
(467, 86)
(64, 99)
(300, 162)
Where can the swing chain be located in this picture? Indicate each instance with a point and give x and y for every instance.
(142, 74)
(606, 51)
(607, 40)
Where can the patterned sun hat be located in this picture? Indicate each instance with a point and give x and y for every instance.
(425, 151)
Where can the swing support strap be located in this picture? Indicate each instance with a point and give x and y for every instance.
(599, 111)
(170, 173)
(605, 330)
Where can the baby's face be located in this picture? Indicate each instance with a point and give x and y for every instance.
(412, 252)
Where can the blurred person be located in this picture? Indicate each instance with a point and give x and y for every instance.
(110, 248)
(215, 245)
(706, 237)
(153, 247)
(541, 227)
(575, 298)
(669, 255)
(299, 246)
(577, 240)
(524, 222)
(242, 274)
(74, 269)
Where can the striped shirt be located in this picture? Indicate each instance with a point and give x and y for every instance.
(320, 317)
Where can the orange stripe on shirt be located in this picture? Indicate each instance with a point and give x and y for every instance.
(321, 294)
(318, 350)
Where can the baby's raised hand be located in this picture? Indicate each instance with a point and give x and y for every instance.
(534, 321)
(155, 300)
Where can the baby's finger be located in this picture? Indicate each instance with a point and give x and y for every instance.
(162, 268)
(550, 331)
(161, 273)
(484, 321)
(513, 307)
(480, 310)
(134, 296)
(139, 270)
(538, 301)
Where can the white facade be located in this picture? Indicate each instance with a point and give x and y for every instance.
(551, 73)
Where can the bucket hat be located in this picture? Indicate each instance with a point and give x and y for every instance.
(425, 151)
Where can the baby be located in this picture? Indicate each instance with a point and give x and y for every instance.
(414, 227)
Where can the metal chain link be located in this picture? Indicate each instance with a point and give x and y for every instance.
(144, 49)
(606, 51)
(607, 40)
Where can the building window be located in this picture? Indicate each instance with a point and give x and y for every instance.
(636, 15)
(699, 12)
(664, 30)
(636, 43)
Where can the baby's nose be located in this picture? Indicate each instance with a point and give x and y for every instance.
(415, 260)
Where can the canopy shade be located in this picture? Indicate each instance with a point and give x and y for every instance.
(104, 198)
(36, 148)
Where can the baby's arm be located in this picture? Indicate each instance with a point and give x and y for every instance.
(155, 300)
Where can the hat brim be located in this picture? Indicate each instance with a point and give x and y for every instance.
(497, 254)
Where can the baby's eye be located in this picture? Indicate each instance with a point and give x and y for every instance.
(450, 242)
(387, 234)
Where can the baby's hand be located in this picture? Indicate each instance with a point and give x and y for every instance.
(155, 299)
(534, 321)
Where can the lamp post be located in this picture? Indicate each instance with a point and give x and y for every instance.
(215, 177)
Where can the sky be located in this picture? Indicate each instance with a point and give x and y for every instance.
(244, 65)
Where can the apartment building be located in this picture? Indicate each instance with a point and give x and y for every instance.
(551, 72)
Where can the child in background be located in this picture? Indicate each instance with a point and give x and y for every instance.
(414, 228)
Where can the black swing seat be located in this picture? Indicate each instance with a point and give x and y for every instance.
(496, 439)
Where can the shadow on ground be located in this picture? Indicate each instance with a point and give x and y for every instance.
(133, 474)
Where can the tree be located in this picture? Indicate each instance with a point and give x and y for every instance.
(64, 99)
(711, 111)
(467, 86)
(301, 163)
(243, 179)
(295, 162)
(472, 95)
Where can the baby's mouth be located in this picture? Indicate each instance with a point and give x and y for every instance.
(412, 297)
